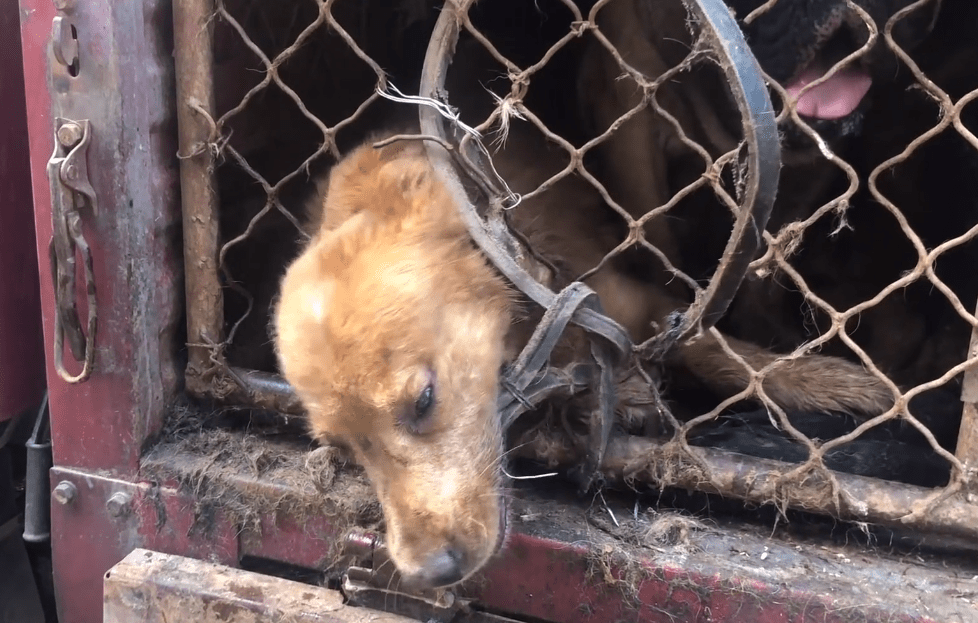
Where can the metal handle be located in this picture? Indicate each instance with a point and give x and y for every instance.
(71, 190)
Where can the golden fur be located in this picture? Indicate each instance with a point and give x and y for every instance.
(391, 292)
(388, 291)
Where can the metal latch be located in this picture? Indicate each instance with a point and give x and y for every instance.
(377, 574)
(71, 190)
(373, 582)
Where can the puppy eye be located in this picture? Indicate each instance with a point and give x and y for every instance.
(423, 405)
(416, 418)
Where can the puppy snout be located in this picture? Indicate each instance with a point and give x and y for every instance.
(442, 568)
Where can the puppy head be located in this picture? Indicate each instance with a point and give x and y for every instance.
(390, 327)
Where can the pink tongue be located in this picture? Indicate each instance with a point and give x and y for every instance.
(833, 99)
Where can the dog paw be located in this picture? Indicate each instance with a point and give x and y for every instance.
(639, 403)
(828, 384)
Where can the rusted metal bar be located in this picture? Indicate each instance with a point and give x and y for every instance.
(156, 588)
(265, 391)
(193, 55)
(758, 480)
(967, 449)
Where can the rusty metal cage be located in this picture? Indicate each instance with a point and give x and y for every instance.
(847, 264)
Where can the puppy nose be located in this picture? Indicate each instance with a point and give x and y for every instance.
(443, 568)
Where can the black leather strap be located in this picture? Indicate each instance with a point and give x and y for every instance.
(528, 380)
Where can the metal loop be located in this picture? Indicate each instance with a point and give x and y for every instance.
(504, 249)
(763, 161)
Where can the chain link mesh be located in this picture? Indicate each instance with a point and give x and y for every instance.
(865, 256)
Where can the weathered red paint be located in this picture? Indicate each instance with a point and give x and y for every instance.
(88, 540)
(125, 88)
(100, 424)
(551, 580)
(535, 577)
(282, 541)
(21, 341)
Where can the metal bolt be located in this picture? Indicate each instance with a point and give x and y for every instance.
(71, 172)
(445, 600)
(118, 505)
(65, 492)
(64, 5)
(70, 134)
(361, 544)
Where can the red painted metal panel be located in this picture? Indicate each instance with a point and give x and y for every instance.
(35, 31)
(124, 87)
(21, 342)
(720, 576)
(555, 581)
(559, 566)
(87, 539)
(305, 543)
(65, 401)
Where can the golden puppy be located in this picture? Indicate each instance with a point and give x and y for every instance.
(390, 327)
(393, 328)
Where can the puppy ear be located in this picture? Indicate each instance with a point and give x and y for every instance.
(397, 150)
(392, 181)
(411, 177)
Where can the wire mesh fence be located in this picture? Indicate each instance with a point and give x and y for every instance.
(833, 381)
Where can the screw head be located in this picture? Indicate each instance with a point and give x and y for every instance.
(65, 492)
(70, 134)
(63, 5)
(119, 504)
